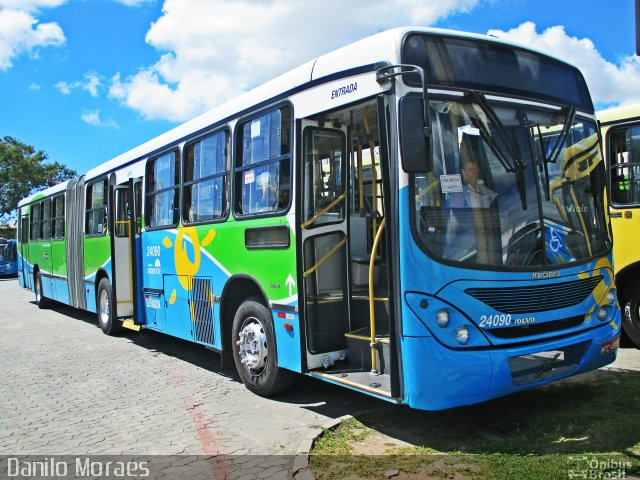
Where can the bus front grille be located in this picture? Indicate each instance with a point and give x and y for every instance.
(536, 298)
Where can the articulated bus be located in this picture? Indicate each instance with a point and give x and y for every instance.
(387, 217)
(8, 258)
(620, 129)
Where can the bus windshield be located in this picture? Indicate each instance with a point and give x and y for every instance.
(511, 186)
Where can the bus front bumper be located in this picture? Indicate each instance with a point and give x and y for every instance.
(452, 378)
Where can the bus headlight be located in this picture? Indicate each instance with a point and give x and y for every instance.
(611, 296)
(602, 313)
(442, 318)
(462, 335)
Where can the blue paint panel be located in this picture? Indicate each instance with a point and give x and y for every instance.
(154, 311)
(177, 318)
(156, 258)
(217, 327)
(90, 292)
(61, 289)
(288, 342)
(48, 289)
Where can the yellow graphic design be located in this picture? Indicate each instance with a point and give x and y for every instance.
(603, 267)
(186, 267)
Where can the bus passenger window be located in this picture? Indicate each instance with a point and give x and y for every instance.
(96, 218)
(263, 173)
(206, 169)
(163, 184)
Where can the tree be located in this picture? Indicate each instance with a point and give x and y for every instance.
(23, 171)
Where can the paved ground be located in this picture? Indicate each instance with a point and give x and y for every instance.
(68, 389)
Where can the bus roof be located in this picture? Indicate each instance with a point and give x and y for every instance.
(617, 114)
(61, 187)
(384, 46)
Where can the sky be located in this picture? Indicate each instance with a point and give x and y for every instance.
(86, 80)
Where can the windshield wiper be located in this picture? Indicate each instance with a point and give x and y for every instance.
(545, 166)
(517, 166)
(562, 138)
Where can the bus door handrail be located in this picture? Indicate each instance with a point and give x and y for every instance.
(324, 210)
(373, 343)
(329, 254)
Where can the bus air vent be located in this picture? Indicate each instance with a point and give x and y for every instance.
(201, 306)
(536, 298)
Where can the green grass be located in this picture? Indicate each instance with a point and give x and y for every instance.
(539, 434)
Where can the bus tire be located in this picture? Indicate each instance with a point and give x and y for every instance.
(254, 351)
(41, 300)
(105, 307)
(631, 315)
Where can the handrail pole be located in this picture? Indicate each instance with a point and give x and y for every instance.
(372, 315)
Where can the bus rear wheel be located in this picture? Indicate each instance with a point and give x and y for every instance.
(41, 300)
(254, 351)
(106, 318)
(631, 315)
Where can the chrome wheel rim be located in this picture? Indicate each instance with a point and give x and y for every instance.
(253, 348)
(37, 290)
(104, 307)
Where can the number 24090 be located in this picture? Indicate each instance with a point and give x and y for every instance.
(495, 320)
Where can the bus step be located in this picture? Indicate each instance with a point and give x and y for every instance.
(130, 325)
(379, 385)
(359, 350)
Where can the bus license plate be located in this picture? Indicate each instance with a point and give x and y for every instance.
(610, 346)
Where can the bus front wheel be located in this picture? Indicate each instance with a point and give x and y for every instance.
(631, 315)
(106, 318)
(254, 351)
(41, 300)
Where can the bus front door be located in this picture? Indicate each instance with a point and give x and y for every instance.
(324, 240)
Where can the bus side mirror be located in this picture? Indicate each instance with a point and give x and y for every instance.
(415, 137)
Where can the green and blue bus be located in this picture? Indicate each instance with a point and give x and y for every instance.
(389, 217)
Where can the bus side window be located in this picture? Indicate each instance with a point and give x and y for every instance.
(162, 191)
(263, 168)
(624, 165)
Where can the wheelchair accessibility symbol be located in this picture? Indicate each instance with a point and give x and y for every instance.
(555, 242)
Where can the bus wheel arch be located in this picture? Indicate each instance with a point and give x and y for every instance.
(255, 352)
(244, 308)
(629, 298)
(237, 289)
(41, 300)
(105, 305)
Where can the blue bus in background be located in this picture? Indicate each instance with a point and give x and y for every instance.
(8, 258)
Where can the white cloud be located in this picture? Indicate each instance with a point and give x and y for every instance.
(134, 3)
(91, 84)
(212, 50)
(30, 5)
(609, 83)
(64, 87)
(34, 86)
(92, 117)
(20, 31)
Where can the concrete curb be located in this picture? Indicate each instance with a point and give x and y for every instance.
(301, 462)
